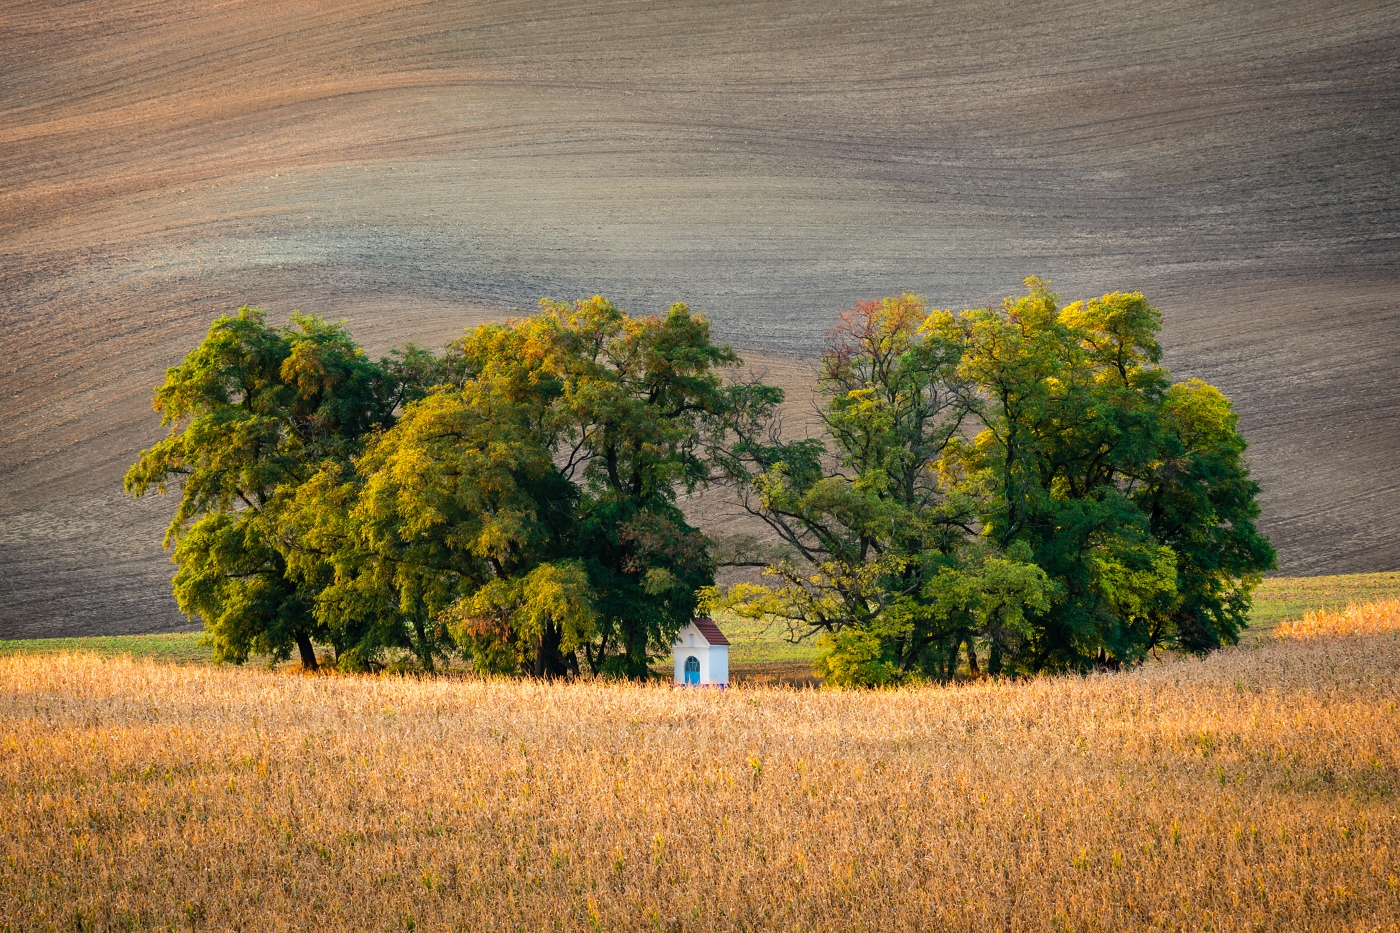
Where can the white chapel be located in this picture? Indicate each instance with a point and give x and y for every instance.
(702, 654)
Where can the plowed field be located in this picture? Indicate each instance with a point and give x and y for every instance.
(417, 167)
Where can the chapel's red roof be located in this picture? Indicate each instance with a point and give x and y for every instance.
(711, 631)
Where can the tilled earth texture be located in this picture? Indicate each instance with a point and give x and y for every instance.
(418, 167)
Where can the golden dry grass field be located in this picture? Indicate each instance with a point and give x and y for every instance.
(1359, 619)
(1253, 790)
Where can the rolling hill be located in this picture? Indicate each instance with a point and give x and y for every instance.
(417, 167)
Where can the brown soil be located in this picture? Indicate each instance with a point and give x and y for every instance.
(417, 167)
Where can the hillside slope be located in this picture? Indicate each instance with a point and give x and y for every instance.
(416, 167)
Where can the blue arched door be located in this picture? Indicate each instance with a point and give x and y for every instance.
(692, 670)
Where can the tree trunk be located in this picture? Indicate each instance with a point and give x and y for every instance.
(972, 668)
(994, 660)
(308, 653)
(904, 651)
(424, 650)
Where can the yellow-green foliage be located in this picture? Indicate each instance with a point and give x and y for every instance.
(1252, 790)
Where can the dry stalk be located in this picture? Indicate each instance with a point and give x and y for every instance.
(1380, 617)
(1252, 790)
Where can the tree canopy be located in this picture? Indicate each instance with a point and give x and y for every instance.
(513, 499)
(254, 411)
(1023, 481)
(1022, 488)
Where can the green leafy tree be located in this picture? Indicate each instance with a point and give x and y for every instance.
(1202, 504)
(460, 496)
(880, 554)
(1023, 480)
(637, 395)
(1086, 446)
(253, 412)
(524, 509)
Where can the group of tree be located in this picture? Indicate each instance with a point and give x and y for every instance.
(1025, 482)
(512, 499)
(1022, 488)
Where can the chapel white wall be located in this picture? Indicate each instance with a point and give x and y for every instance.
(719, 664)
